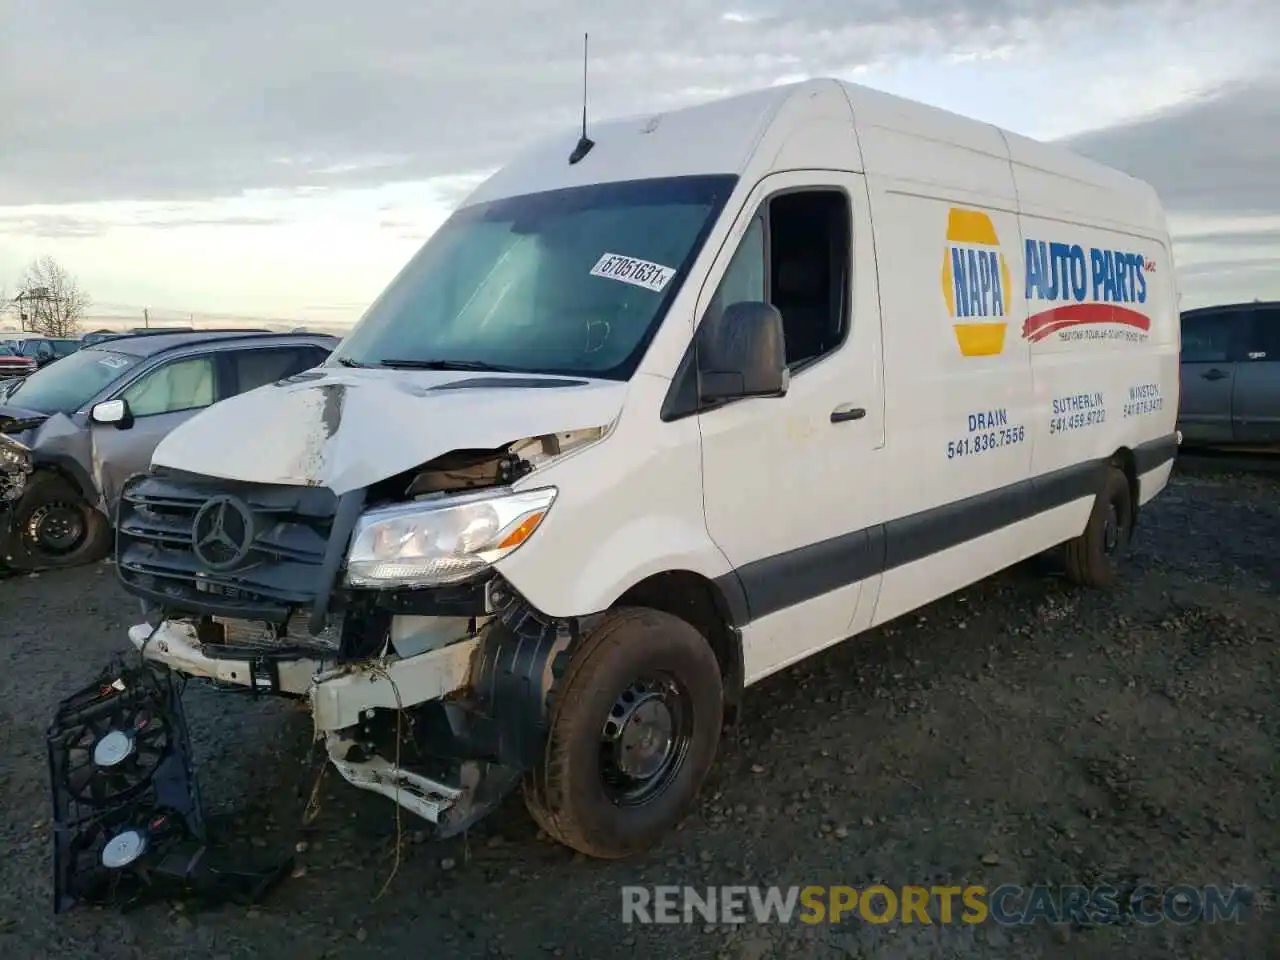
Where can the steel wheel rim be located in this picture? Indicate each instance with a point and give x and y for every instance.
(645, 740)
(56, 528)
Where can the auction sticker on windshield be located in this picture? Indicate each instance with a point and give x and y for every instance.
(640, 273)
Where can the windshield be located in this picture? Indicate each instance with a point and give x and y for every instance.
(570, 281)
(66, 386)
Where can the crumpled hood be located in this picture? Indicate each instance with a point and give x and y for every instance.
(17, 421)
(347, 428)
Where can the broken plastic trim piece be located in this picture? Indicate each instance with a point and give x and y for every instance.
(427, 798)
(482, 786)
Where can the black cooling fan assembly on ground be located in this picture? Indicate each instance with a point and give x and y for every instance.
(128, 826)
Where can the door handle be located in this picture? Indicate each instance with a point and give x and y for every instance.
(1214, 374)
(846, 412)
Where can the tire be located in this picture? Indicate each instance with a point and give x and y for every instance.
(1092, 559)
(580, 794)
(48, 505)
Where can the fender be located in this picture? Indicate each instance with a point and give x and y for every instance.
(68, 467)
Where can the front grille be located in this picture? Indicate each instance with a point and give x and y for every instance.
(283, 571)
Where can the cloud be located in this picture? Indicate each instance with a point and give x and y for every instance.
(1214, 162)
(56, 226)
(1218, 154)
(142, 100)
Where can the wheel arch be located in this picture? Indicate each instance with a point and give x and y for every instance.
(66, 468)
(716, 610)
(1125, 461)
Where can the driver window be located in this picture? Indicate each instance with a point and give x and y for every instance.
(181, 385)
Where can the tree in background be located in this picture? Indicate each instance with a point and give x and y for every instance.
(49, 299)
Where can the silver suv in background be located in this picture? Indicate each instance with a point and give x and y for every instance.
(71, 433)
(1231, 376)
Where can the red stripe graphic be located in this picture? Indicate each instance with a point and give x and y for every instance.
(1040, 325)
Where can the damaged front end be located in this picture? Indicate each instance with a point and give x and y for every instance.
(16, 465)
(427, 675)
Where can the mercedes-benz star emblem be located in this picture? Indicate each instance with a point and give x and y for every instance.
(222, 533)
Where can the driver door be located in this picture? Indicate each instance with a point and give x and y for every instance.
(159, 400)
(791, 483)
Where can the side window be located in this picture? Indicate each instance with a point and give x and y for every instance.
(180, 385)
(1264, 336)
(1208, 337)
(745, 278)
(257, 368)
(796, 255)
(809, 264)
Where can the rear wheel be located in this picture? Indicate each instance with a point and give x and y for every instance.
(54, 527)
(1093, 558)
(633, 732)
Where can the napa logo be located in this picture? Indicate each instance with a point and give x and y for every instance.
(975, 283)
(1085, 293)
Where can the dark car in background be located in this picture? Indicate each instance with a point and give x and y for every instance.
(45, 350)
(1230, 392)
(78, 428)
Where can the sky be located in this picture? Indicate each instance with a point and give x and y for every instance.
(281, 159)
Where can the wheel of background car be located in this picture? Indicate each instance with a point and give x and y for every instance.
(54, 527)
(634, 729)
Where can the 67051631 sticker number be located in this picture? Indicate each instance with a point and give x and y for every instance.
(639, 273)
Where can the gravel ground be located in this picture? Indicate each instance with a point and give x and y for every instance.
(1021, 731)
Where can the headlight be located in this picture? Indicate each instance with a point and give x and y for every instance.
(445, 541)
(15, 457)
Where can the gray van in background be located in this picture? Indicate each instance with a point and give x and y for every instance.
(1230, 393)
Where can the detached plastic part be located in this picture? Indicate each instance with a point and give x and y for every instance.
(127, 824)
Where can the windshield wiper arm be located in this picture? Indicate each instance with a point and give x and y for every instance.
(344, 361)
(480, 365)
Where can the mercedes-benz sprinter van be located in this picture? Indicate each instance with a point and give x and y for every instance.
(658, 412)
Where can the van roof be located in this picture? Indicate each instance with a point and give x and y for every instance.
(731, 135)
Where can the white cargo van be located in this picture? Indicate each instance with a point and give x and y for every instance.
(651, 418)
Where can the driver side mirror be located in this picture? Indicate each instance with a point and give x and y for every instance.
(742, 353)
(112, 412)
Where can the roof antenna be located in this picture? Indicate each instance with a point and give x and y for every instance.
(585, 143)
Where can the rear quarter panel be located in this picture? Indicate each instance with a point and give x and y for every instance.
(1097, 271)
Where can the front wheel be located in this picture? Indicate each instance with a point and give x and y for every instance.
(634, 730)
(54, 527)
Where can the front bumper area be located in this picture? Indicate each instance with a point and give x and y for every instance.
(356, 706)
(339, 695)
